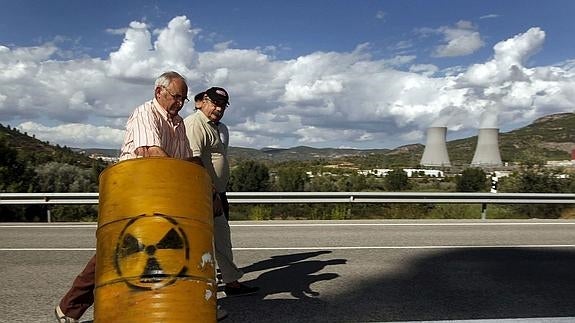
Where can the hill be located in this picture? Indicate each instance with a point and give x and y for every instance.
(37, 152)
(300, 153)
(551, 137)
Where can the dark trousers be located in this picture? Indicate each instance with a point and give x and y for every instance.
(81, 295)
(225, 204)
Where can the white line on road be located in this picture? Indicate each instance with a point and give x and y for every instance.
(393, 224)
(405, 247)
(330, 224)
(51, 226)
(521, 320)
(330, 248)
(47, 249)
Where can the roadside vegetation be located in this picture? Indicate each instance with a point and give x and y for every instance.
(30, 165)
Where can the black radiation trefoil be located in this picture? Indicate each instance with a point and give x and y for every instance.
(152, 252)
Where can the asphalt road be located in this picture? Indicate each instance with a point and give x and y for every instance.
(339, 271)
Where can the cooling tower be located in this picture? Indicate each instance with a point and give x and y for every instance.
(487, 151)
(435, 153)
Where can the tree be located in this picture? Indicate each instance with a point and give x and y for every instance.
(534, 179)
(250, 176)
(322, 184)
(352, 183)
(396, 180)
(291, 179)
(59, 177)
(14, 175)
(472, 180)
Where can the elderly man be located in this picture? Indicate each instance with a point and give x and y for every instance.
(154, 129)
(209, 140)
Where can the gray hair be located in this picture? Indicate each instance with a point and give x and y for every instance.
(166, 78)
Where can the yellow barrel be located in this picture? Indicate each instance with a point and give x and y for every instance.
(154, 255)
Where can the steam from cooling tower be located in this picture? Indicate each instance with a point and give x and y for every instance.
(489, 118)
(435, 153)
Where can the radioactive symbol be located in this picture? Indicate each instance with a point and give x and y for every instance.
(152, 252)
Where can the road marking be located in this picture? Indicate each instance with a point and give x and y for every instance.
(332, 248)
(405, 247)
(392, 224)
(47, 249)
(51, 226)
(232, 224)
(521, 320)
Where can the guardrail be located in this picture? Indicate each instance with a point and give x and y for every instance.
(321, 197)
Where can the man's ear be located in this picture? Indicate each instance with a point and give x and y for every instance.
(157, 91)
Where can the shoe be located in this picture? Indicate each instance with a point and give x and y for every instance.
(242, 290)
(221, 313)
(62, 318)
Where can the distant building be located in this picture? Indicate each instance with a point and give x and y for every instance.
(107, 159)
(377, 172)
(560, 163)
(411, 172)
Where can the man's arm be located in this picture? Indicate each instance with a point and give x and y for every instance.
(196, 136)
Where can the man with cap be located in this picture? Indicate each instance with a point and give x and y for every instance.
(209, 139)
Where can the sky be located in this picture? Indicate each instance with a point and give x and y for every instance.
(362, 74)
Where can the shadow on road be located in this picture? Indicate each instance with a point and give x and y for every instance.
(486, 283)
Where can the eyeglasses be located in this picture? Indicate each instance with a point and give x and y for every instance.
(222, 105)
(177, 97)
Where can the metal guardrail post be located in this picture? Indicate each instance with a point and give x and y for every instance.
(48, 214)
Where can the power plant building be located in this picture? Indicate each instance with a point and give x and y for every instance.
(487, 150)
(435, 153)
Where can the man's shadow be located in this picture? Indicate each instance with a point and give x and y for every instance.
(292, 274)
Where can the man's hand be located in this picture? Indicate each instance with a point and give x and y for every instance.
(195, 160)
(150, 151)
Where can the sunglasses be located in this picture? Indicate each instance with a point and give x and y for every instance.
(217, 103)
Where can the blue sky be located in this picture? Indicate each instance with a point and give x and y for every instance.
(359, 74)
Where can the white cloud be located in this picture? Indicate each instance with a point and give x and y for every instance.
(490, 16)
(325, 99)
(509, 57)
(425, 69)
(116, 31)
(69, 134)
(138, 59)
(460, 40)
(402, 46)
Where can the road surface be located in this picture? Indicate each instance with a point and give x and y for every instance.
(339, 271)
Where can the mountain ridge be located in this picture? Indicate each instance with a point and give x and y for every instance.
(551, 137)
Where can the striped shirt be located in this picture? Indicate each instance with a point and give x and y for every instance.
(150, 125)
